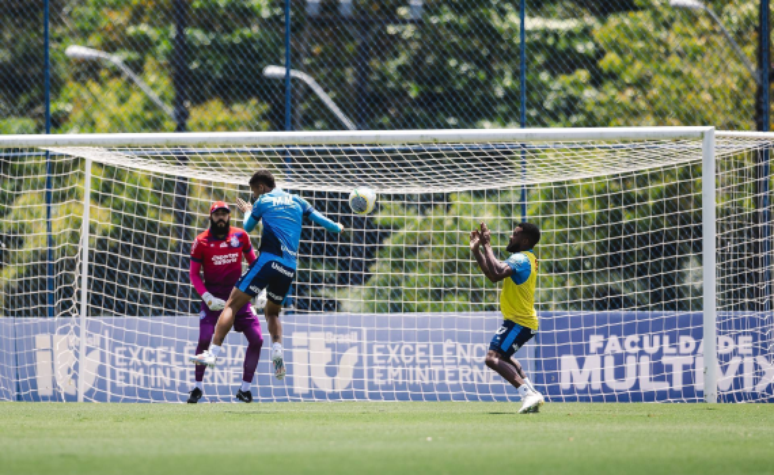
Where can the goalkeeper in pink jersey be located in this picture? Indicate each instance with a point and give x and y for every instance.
(218, 252)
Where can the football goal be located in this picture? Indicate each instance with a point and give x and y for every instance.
(654, 279)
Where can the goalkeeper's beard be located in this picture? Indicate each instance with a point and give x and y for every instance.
(514, 247)
(220, 228)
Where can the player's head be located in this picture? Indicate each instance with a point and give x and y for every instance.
(262, 182)
(525, 236)
(220, 218)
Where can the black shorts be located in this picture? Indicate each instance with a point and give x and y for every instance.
(272, 275)
(510, 337)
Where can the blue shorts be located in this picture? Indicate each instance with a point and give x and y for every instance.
(270, 274)
(510, 337)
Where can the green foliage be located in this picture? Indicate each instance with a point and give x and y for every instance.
(17, 125)
(622, 62)
(627, 241)
(589, 63)
(426, 264)
(117, 105)
(667, 72)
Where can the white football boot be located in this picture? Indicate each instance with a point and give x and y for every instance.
(206, 358)
(279, 364)
(532, 402)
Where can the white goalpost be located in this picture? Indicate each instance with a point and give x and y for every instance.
(653, 284)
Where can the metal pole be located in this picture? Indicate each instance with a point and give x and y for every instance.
(735, 46)
(301, 51)
(49, 178)
(180, 64)
(523, 107)
(523, 63)
(47, 65)
(765, 84)
(765, 65)
(84, 278)
(709, 267)
(288, 90)
(362, 75)
(16, 360)
(174, 113)
(288, 93)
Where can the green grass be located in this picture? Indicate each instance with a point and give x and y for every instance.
(374, 438)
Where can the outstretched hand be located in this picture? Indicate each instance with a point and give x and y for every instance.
(485, 235)
(475, 240)
(244, 206)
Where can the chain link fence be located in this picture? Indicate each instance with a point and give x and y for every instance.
(201, 65)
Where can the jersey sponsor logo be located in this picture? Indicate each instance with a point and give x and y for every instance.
(225, 259)
(282, 201)
(285, 249)
(234, 241)
(274, 296)
(282, 270)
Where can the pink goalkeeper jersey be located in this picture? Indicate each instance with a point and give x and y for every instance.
(221, 259)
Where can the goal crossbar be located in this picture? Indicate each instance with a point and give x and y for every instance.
(492, 183)
(204, 139)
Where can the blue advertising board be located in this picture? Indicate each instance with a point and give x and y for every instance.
(7, 361)
(601, 356)
(651, 356)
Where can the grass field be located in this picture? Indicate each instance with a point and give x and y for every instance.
(376, 438)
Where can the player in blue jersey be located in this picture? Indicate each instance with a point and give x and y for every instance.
(282, 215)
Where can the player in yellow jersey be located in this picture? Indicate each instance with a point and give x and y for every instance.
(517, 303)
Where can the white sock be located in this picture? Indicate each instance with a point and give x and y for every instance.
(276, 349)
(245, 386)
(528, 383)
(200, 385)
(523, 390)
(215, 350)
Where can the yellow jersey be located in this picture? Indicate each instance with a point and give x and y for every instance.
(517, 300)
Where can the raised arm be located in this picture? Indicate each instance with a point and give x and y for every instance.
(475, 248)
(497, 270)
(319, 218)
(250, 221)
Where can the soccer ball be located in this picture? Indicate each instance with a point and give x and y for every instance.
(362, 200)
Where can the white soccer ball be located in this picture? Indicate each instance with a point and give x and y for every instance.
(362, 200)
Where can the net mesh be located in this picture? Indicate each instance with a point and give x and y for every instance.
(396, 308)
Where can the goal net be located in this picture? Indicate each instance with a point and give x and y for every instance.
(634, 270)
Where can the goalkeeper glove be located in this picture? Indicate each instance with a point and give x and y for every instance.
(259, 302)
(213, 303)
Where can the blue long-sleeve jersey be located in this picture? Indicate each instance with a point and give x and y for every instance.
(283, 214)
